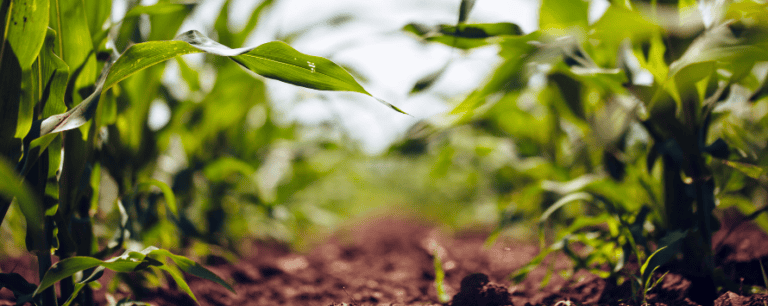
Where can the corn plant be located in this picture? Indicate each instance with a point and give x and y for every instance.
(647, 116)
(76, 90)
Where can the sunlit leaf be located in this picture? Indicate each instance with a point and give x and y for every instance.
(98, 14)
(144, 55)
(73, 45)
(558, 17)
(26, 29)
(155, 9)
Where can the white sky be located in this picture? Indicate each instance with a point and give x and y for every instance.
(373, 44)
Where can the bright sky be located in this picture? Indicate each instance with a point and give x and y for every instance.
(373, 44)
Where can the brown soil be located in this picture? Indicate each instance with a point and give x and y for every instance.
(389, 262)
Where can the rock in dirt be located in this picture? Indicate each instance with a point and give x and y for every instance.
(477, 290)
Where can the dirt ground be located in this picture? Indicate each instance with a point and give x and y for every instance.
(388, 261)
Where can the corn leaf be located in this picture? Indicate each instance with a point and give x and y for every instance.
(31, 208)
(130, 261)
(26, 29)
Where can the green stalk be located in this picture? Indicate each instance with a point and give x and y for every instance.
(43, 264)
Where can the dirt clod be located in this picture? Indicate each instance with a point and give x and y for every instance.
(477, 290)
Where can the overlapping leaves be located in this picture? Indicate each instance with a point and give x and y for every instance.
(275, 60)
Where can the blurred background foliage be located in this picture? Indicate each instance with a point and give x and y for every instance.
(237, 167)
(533, 132)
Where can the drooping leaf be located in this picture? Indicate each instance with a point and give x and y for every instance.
(73, 118)
(464, 36)
(130, 261)
(275, 60)
(26, 29)
(579, 196)
(191, 267)
(144, 55)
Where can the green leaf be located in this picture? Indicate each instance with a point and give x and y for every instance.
(189, 75)
(275, 60)
(558, 17)
(98, 14)
(26, 29)
(578, 196)
(45, 84)
(223, 167)
(170, 198)
(73, 43)
(442, 295)
(56, 72)
(661, 256)
(428, 80)
(75, 117)
(130, 261)
(12, 187)
(752, 171)
(78, 287)
(464, 36)
(66, 268)
(191, 267)
(155, 9)
(144, 55)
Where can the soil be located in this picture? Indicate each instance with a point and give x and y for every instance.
(389, 261)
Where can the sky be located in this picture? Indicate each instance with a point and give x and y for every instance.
(371, 43)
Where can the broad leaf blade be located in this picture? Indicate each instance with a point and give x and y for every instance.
(143, 55)
(277, 60)
(26, 29)
(31, 208)
(66, 268)
(191, 267)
